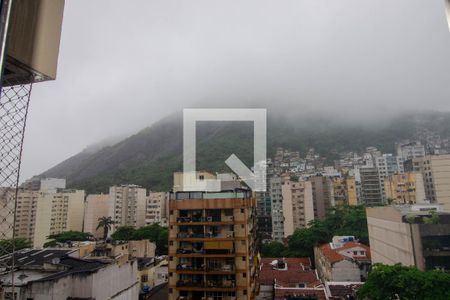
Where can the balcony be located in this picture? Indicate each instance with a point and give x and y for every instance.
(212, 285)
(209, 268)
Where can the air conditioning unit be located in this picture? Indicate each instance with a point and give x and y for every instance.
(33, 40)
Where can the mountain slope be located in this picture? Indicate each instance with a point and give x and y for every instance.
(149, 157)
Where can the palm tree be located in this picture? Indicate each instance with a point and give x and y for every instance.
(105, 223)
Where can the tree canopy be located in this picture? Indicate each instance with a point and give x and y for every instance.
(6, 246)
(67, 236)
(400, 282)
(155, 233)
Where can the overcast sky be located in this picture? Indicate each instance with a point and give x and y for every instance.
(126, 64)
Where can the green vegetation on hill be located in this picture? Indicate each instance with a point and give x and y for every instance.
(150, 157)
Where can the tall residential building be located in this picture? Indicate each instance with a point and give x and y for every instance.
(413, 235)
(128, 205)
(212, 245)
(407, 188)
(387, 165)
(410, 150)
(276, 199)
(371, 193)
(344, 190)
(157, 208)
(264, 215)
(435, 170)
(56, 213)
(96, 206)
(298, 207)
(323, 195)
(7, 203)
(26, 213)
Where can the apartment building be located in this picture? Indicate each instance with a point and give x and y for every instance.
(407, 188)
(26, 213)
(413, 235)
(409, 150)
(276, 198)
(323, 195)
(344, 190)
(96, 206)
(212, 245)
(371, 193)
(298, 206)
(264, 215)
(7, 203)
(435, 170)
(128, 205)
(44, 184)
(56, 213)
(387, 165)
(157, 208)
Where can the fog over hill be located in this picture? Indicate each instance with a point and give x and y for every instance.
(149, 157)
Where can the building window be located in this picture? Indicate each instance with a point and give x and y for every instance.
(144, 278)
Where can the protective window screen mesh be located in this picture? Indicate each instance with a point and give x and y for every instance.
(14, 103)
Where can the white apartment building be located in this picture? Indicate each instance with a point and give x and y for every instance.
(52, 184)
(387, 165)
(156, 208)
(409, 150)
(128, 205)
(96, 206)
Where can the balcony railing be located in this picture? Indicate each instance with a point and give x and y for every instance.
(209, 268)
(209, 284)
(238, 194)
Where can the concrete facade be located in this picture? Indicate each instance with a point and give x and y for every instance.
(157, 208)
(128, 205)
(435, 170)
(56, 213)
(298, 207)
(323, 195)
(400, 234)
(212, 245)
(405, 188)
(96, 206)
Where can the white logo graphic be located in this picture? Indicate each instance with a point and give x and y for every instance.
(255, 180)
